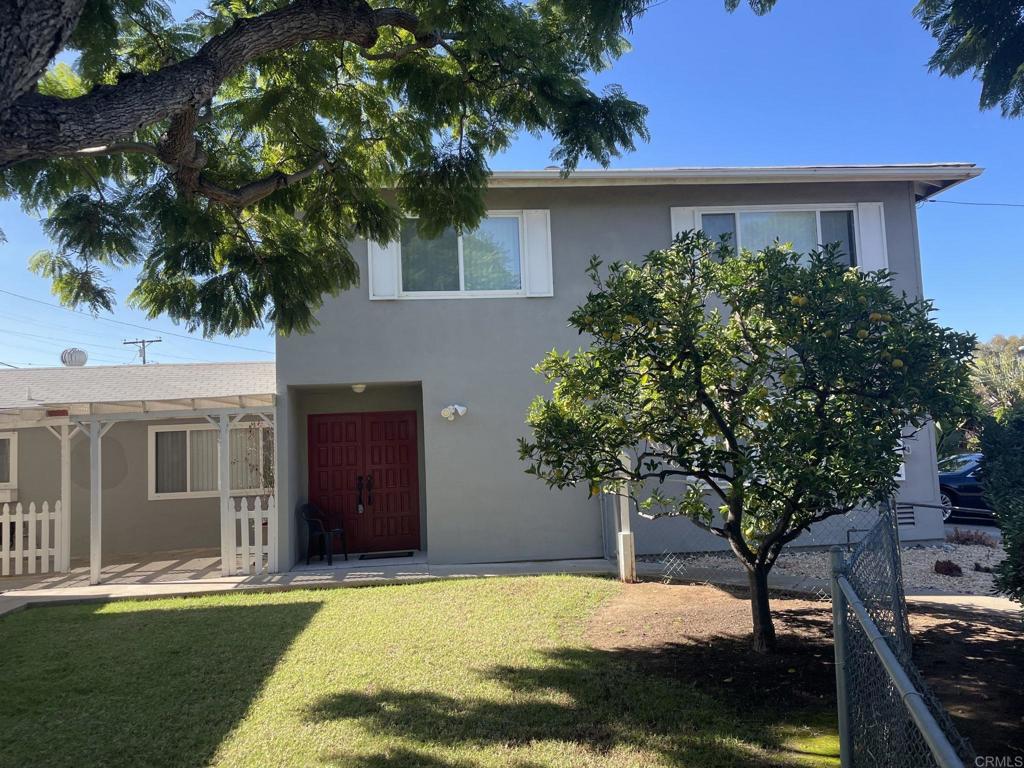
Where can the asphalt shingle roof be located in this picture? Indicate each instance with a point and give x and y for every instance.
(32, 388)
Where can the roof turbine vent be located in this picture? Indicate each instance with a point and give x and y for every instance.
(74, 357)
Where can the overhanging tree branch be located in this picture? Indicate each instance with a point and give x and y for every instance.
(246, 195)
(39, 126)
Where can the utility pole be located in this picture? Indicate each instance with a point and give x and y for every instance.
(142, 344)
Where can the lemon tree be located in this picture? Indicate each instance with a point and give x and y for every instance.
(775, 384)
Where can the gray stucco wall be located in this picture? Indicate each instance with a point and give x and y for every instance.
(132, 524)
(479, 352)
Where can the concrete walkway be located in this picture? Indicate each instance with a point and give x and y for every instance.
(197, 574)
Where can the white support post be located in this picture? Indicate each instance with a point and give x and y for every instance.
(227, 519)
(95, 501)
(63, 535)
(625, 544)
(626, 549)
(272, 507)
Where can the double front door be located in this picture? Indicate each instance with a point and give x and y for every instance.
(363, 474)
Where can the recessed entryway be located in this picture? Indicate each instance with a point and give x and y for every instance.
(363, 475)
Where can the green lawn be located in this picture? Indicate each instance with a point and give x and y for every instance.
(454, 674)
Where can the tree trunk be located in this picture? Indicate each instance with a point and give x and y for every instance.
(764, 629)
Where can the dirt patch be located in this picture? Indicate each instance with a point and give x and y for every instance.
(700, 635)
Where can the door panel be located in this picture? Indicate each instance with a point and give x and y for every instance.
(334, 465)
(391, 466)
(380, 448)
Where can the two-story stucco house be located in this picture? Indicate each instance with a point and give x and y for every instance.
(366, 427)
(399, 415)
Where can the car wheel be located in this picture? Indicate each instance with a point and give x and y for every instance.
(947, 505)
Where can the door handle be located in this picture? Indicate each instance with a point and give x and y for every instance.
(359, 493)
(369, 490)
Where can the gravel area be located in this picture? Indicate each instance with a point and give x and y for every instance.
(918, 566)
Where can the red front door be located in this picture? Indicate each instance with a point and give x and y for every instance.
(363, 474)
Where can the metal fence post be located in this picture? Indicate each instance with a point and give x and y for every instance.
(839, 624)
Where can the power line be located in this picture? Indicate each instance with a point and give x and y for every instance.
(134, 325)
(985, 205)
(81, 337)
(7, 364)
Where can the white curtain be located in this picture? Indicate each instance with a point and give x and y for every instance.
(759, 229)
(490, 255)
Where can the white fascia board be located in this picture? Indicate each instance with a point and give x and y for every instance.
(941, 175)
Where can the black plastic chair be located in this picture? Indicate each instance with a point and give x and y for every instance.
(320, 533)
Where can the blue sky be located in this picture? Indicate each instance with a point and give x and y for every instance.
(812, 82)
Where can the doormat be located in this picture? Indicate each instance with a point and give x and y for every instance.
(385, 555)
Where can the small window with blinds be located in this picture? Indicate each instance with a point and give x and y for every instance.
(183, 460)
(8, 460)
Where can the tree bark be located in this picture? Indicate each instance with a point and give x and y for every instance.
(38, 126)
(764, 628)
(31, 34)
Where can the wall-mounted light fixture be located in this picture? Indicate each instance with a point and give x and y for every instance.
(359, 388)
(453, 411)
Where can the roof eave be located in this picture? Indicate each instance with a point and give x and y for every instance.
(933, 177)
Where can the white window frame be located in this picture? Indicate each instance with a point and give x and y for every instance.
(816, 208)
(154, 496)
(462, 293)
(12, 485)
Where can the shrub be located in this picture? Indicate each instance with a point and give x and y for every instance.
(970, 537)
(1002, 472)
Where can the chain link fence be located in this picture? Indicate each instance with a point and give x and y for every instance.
(887, 714)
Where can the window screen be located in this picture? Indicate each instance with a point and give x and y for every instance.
(171, 455)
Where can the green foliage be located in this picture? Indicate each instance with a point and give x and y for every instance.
(984, 38)
(402, 125)
(395, 126)
(999, 375)
(1002, 472)
(775, 384)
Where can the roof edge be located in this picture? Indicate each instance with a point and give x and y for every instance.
(937, 175)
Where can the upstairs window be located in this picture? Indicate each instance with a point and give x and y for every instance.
(806, 230)
(487, 260)
(507, 255)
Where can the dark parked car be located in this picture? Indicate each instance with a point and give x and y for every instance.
(960, 486)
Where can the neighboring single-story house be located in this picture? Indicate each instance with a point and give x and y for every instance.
(399, 414)
(128, 460)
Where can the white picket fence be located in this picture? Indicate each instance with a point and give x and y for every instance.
(254, 529)
(30, 538)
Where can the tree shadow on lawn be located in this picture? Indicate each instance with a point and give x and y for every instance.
(973, 660)
(86, 686)
(593, 702)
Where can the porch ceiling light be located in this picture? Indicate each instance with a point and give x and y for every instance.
(359, 388)
(453, 411)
